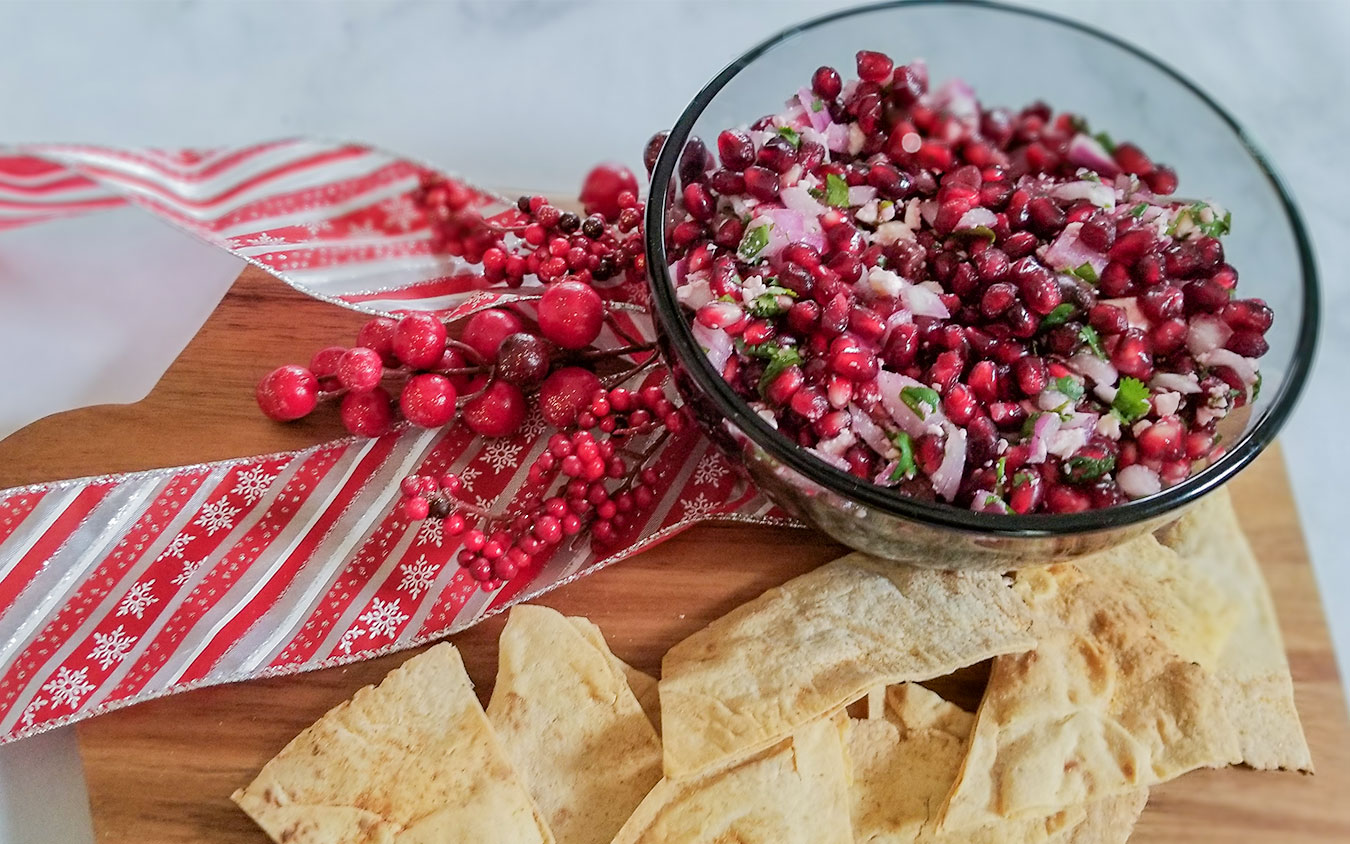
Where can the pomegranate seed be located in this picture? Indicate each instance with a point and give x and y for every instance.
(736, 149)
(1225, 276)
(960, 404)
(694, 163)
(1249, 344)
(1026, 493)
(1131, 246)
(782, 388)
(992, 264)
(1199, 444)
(908, 83)
(1132, 159)
(1248, 315)
(1148, 270)
(839, 392)
(729, 233)
(1066, 499)
(1162, 302)
(901, 347)
(777, 154)
(1209, 252)
(1047, 218)
(1098, 233)
(1037, 285)
(761, 183)
(850, 358)
(1019, 244)
(832, 424)
(1132, 355)
(1162, 181)
(698, 202)
(1181, 260)
(1163, 440)
(727, 182)
(826, 84)
(1115, 280)
(810, 404)
(983, 381)
(1031, 375)
(944, 372)
(1205, 295)
(1168, 336)
(928, 453)
(874, 67)
(834, 318)
(1007, 415)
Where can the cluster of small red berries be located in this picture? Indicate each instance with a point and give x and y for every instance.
(539, 351)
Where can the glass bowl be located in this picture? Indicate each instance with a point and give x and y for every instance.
(1012, 57)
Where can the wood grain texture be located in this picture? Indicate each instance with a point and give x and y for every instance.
(163, 771)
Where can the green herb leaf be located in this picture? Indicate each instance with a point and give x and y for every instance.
(765, 305)
(817, 104)
(1106, 142)
(1001, 478)
(1080, 468)
(1131, 401)
(995, 501)
(978, 231)
(780, 358)
(1086, 272)
(1088, 335)
(1138, 210)
(753, 242)
(1058, 316)
(1256, 388)
(1069, 386)
(904, 464)
(1078, 123)
(1216, 227)
(922, 400)
(816, 194)
(791, 135)
(836, 191)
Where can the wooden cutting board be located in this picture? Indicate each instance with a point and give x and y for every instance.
(163, 771)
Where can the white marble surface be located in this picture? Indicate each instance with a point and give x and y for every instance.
(451, 82)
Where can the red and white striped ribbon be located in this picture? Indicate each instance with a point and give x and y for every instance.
(123, 588)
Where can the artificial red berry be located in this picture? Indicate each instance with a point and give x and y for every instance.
(324, 366)
(523, 359)
(419, 340)
(498, 411)
(367, 414)
(600, 192)
(360, 369)
(416, 508)
(571, 314)
(565, 393)
(378, 334)
(485, 331)
(428, 400)
(288, 392)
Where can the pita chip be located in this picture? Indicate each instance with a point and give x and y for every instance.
(1102, 707)
(818, 642)
(1251, 666)
(904, 765)
(794, 793)
(571, 726)
(642, 683)
(412, 760)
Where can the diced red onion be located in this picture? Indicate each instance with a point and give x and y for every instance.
(861, 195)
(716, 342)
(1206, 334)
(956, 97)
(923, 301)
(1246, 368)
(836, 137)
(1099, 370)
(870, 431)
(798, 198)
(1176, 382)
(788, 227)
(1109, 426)
(694, 293)
(928, 209)
(838, 444)
(1050, 399)
(891, 383)
(1045, 427)
(986, 502)
(819, 118)
(947, 479)
(833, 459)
(1068, 252)
(975, 218)
(1137, 481)
(1067, 441)
(1084, 151)
(1081, 419)
(1133, 314)
(1166, 403)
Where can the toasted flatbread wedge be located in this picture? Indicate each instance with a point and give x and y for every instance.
(794, 793)
(412, 760)
(904, 765)
(1104, 705)
(643, 684)
(819, 641)
(1252, 668)
(571, 726)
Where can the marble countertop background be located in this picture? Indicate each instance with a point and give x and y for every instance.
(531, 93)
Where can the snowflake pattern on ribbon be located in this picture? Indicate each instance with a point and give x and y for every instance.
(111, 647)
(138, 599)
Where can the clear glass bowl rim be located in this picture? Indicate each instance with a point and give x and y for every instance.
(672, 322)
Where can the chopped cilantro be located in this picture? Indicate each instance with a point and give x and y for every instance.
(817, 104)
(1086, 272)
(1091, 176)
(816, 194)
(978, 231)
(904, 464)
(1106, 142)
(1131, 401)
(1069, 386)
(1138, 210)
(922, 400)
(1081, 468)
(791, 135)
(836, 191)
(779, 357)
(992, 500)
(1088, 335)
(753, 243)
(765, 305)
(1256, 388)
(1217, 227)
(1001, 478)
(1024, 478)
(1058, 316)
(1077, 123)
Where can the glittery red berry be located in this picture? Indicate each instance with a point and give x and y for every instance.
(428, 400)
(565, 393)
(324, 366)
(368, 414)
(288, 392)
(498, 411)
(600, 192)
(485, 331)
(360, 369)
(419, 340)
(378, 334)
(571, 314)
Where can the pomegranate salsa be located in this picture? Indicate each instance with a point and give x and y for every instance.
(993, 308)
